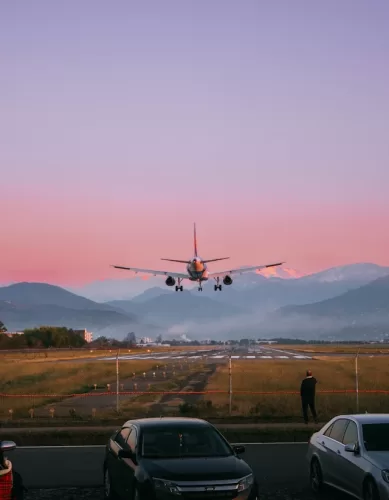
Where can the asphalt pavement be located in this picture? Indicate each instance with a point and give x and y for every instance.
(76, 472)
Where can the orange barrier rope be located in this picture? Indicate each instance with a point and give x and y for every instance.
(131, 393)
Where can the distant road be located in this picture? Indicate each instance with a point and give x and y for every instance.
(277, 467)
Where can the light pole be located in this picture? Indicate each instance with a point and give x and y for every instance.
(230, 384)
(357, 380)
(117, 382)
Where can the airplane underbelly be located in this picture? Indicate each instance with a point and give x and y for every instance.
(198, 275)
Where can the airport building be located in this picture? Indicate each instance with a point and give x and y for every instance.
(12, 334)
(87, 336)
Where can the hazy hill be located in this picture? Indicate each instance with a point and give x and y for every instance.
(26, 305)
(33, 294)
(358, 313)
(360, 274)
(372, 298)
(272, 293)
(170, 308)
(258, 291)
(18, 317)
(151, 293)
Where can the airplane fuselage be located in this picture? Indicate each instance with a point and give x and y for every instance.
(197, 269)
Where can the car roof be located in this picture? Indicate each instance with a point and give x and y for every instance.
(166, 422)
(368, 418)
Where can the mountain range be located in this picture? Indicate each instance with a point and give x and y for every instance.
(27, 305)
(350, 301)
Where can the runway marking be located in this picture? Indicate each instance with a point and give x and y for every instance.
(204, 356)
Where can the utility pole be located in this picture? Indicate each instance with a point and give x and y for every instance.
(117, 382)
(357, 380)
(230, 385)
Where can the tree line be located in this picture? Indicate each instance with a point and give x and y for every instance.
(42, 337)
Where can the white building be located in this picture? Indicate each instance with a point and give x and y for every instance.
(87, 336)
(12, 334)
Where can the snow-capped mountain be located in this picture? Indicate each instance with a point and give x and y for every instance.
(363, 272)
(126, 289)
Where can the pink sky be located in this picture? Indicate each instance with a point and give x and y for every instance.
(67, 242)
(264, 122)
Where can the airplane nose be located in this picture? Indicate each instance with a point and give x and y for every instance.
(198, 265)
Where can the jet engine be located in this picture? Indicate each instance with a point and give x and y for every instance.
(227, 280)
(170, 281)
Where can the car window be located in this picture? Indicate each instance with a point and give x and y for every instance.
(328, 431)
(376, 436)
(132, 439)
(337, 431)
(183, 441)
(351, 434)
(122, 436)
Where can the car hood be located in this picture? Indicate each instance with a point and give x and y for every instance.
(196, 469)
(379, 458)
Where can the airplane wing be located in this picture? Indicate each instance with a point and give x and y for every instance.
(221, 274)
(155, 273)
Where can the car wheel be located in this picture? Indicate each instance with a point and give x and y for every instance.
(370, 490)
(254, 493)
(316, 476)
(109, 493)
(136, 494)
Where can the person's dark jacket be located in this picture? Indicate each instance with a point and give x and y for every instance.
(308, 388)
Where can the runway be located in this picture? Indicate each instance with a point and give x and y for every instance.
(281, 469)
(257, 353)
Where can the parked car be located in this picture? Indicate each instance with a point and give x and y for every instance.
(351, 453)
(170, 458)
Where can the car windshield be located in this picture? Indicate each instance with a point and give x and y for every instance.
(184, 441)
(376, 436)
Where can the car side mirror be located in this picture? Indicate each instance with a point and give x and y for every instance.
(7, 446)
(351, 448)
(126, 454)
(239, 449)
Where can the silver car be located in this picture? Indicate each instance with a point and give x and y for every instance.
(351, 453)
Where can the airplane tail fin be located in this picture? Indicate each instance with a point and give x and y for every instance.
(194, 239)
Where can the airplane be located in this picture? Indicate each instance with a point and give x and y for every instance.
(197, 270)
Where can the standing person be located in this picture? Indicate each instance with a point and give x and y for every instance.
(307, 393)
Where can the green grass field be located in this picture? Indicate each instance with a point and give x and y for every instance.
(45, 377)
(269, 375)
(337, 348)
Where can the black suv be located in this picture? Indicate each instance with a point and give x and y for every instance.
(175, 458)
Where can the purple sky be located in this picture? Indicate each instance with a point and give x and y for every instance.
(123, 122)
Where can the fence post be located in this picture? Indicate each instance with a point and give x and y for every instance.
(357, 380)
(230, 384)
(117, 382)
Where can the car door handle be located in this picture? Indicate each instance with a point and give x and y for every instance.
(338, 452)
(323, 443)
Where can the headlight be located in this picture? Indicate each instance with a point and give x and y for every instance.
(164, 485)
(385, 475)
(246, 483)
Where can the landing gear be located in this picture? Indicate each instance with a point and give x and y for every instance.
(200, 289)
(179, 286)
(217, 286)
